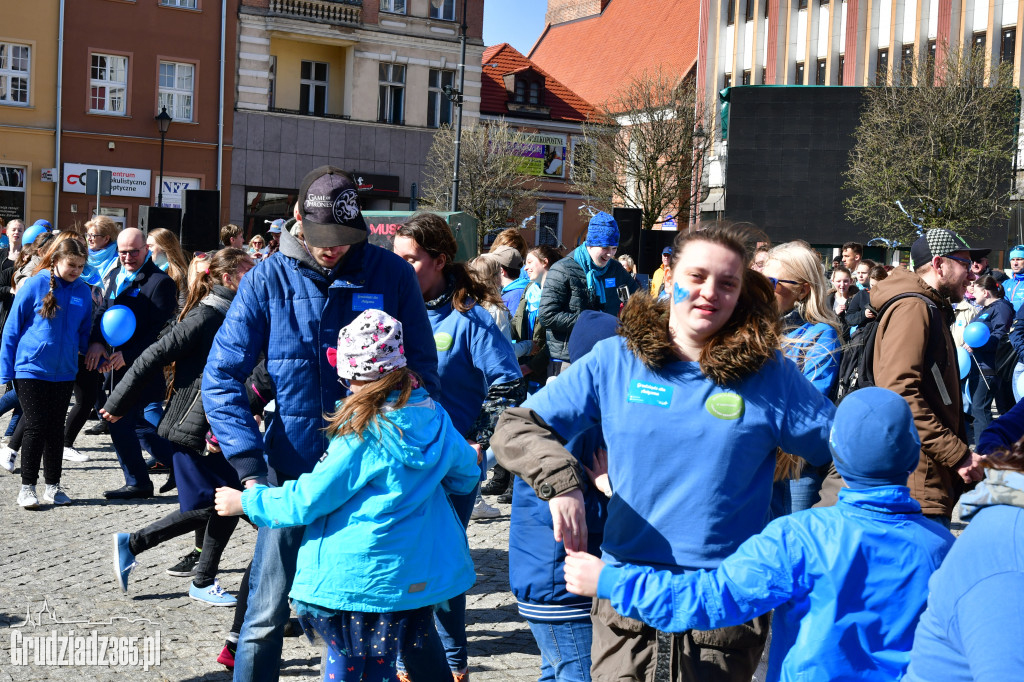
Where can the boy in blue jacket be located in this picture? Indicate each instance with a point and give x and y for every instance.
(848, 583)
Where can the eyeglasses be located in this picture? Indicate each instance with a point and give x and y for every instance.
(776, 281)
(90, 235)
(963, 261)
(199, 254)
(131, 252)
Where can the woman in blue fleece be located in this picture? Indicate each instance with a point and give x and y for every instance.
(848, 583)
(479, 372)
(45, 331)
(693, 400)
(382, 546)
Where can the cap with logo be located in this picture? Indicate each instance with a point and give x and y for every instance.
(329, 209)
(938, 243)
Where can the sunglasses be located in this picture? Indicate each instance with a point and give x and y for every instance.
(963, 261)
(776, 281)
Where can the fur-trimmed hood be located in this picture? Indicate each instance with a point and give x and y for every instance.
(644, 325)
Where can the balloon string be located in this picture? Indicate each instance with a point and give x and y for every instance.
(987, 385)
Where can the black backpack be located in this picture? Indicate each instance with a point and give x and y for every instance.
(856, 366)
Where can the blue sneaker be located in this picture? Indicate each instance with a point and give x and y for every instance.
(213, 595)
(124, 560)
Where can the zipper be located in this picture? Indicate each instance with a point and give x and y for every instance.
(199, 394)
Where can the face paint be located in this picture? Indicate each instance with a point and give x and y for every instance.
(679, 294)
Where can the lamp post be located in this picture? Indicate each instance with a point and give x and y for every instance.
(455, 96)
(163, 122)
(699, 140)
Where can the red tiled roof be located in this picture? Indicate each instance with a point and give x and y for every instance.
(597, 55)
(501, 60)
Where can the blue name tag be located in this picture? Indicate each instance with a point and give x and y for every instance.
(134, 292)
(650, 394)
(609, 283)
(75, 300)
(362, 302)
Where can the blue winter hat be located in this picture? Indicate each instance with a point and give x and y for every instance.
(591, 326)
(602, 231)
(1017, 251)
(874, 441)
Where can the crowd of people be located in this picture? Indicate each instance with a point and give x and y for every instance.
(683, 487)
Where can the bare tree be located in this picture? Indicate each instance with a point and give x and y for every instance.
(940, 151)
(492, 186)
(644, 148)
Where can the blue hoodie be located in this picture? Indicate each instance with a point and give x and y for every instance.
(380, 534)
(35, 347)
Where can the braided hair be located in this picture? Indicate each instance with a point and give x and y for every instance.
(69, 248)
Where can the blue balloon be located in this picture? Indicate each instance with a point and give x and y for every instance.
(964, 360)
(32, 233)
(1020, 386)
(976, 335)
(118, 325)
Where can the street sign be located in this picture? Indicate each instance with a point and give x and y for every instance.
(104, 177)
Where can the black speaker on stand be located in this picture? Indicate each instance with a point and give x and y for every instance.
(629, 220)
(152, 217)
(200, 223)
(652, 243)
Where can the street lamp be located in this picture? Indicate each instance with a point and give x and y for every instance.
(455, 96)
(699, 141)
(163, 122)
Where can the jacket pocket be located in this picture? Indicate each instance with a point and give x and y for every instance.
(192, 405)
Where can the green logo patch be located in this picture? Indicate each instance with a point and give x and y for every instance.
(443, 341)
(725, 405)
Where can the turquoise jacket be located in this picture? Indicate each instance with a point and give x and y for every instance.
(380, 533)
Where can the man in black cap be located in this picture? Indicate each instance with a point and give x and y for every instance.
(290, 309)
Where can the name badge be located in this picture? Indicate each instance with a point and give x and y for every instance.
(650, 394)
(133, 292)
(76, 300)
(609, 283)
(362, 302)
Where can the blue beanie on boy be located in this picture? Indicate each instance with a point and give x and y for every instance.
(874, 441)
(603, 230)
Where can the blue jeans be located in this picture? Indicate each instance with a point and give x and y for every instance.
(8, 402)
(983, 391)
(564, 649)
(451, 624)
(804, 491)
(130, 433)
(1017, 371)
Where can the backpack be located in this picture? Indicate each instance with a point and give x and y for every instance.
(856, 366)
(520, 320)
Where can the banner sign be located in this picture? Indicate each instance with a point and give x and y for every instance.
(125, 182)
(542, 155)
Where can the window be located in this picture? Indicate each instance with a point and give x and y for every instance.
(396, 6)
(549, 224)
(764, 75)
(187, 4)
(801, 4)
(745, 78)
(272, 87)
(439, 107)
(842, 67)
(882, 67)
(313, 88)
(978, 41)
(730, 15)
(520, 97)
(581, 166)
(176, 87)
(748, 12)
(907, 62)
(391, 107)
(108, 85)
(535, 93)
(821, 73)
(445, 12)
(799, 80)
(1008, 46)
(12, 191)
(727, 80)
(930, 66)
(14, 73)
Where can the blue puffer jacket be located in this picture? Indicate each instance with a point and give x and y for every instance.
(1013, 290)
(815, 348)
(848, 585)
(35, 347)
(380, 534)
(289, 309)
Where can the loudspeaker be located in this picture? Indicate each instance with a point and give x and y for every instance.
(652, 243)
(152, 217)
(200, 224)
(629, 220)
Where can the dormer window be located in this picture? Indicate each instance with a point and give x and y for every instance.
(525, 90)
(534, 93)
(520, 91)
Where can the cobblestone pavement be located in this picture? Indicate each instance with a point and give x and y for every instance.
(56, 575)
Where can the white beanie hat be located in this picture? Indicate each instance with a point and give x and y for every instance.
(370, 346)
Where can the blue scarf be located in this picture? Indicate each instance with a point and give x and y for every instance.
(98, 264)
(582, 256)
(124, 278)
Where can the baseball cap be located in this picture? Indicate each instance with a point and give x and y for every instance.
(508, 257)
(276, 225)
(329, 209)
(873, 440)
(667, 251)
(938, 243)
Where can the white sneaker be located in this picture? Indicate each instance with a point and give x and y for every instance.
(72, 455)
(7, 457)
(27, 497)
(482, 510)
(54, 494)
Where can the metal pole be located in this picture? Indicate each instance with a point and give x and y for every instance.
(160, 187)
(459, 104)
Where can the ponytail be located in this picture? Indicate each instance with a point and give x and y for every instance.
(224, 261)
(50, 307)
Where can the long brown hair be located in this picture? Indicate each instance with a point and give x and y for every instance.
(67, 248)
(46, 255)
(432, 233)
(177, 268)
(223, 262)
(363, 410)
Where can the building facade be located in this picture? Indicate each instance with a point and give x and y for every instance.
(360, 86)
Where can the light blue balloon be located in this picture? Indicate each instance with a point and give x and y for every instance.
(964, 360)
(976, 334)
(1020, 385)
(118, 325)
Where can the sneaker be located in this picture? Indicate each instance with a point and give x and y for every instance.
(124, 560)
(186, 568)
(482, 510)
(27, 497)
(54, 494)
(214, 595)
(7, 457)
(98, 428)
(227, 657)
(72, 455)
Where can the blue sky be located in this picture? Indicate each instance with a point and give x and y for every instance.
(517, 22)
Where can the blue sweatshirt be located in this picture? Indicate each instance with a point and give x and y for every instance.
(691, 463)
(35, 347)
(815, 349)
(512, 292)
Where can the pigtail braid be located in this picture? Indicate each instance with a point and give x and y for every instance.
(49, 309)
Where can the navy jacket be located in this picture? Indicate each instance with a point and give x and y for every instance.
(997, 316)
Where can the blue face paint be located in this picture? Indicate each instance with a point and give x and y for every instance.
(679, 294)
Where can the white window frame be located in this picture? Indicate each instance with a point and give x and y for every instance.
(393, 6)
(446, 12)
(183, 4)
(109, 85)
(8, 74)
(176, 98)
(313, 84)
(546, 207)
(437, 99)
(390, 89)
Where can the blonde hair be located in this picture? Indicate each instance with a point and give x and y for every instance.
(105, 225)
(488, 270)
(365, 410)
(628, 263)
(199, 265)
(178, 269)
(804, 265)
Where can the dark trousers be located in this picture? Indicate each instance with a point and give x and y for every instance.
(87, 390)
(178, 523)
(45, 403)
(130, 433)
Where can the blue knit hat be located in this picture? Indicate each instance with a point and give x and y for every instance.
(1017, 251)
(591, 326)
(874, 441)
(603, 230)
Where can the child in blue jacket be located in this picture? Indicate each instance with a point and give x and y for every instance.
(848, 583)
(45, 331)
(382, 546)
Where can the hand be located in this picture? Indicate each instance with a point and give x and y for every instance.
(968, 348)
(253, 482)
(569, 517)
(869, 313)
(582, 571)
(842, 309)
(228, 502)
(114, 362)
(212, 447)
(479, 450)
(969, 468)
(599, 474)
(109, 417)
(93, 355)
